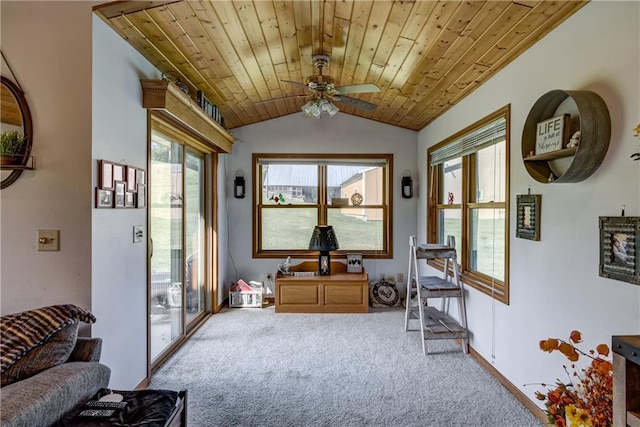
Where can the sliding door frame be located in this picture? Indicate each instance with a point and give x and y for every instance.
(163, 124)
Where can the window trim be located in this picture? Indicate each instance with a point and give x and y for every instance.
(386, 160)
(485, 284)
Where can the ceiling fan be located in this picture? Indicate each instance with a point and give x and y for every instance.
(323, 91)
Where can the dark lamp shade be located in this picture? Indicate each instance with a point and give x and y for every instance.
(323, 239)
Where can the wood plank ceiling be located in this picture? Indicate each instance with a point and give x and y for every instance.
(425, 56)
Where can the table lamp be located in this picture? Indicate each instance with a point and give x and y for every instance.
(324, 240)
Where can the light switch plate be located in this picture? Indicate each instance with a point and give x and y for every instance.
(138, 234)
(48, 240)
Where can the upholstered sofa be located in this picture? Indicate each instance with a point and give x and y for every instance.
(46, 369)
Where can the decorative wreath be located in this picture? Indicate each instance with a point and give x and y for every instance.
(356, 199)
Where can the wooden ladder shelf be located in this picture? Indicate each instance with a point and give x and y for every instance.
(435, 323)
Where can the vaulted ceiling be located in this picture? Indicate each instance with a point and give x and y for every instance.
(425, 56)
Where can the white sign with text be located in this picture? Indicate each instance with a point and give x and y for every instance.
(552, 134)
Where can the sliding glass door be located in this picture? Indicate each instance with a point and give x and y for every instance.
(195, 233)
(177, 227)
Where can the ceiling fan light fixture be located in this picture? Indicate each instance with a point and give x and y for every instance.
(311, 109)
(332, 110)
(316, 107)
(324, 105)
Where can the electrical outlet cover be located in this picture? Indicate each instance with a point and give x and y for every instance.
(138, 234)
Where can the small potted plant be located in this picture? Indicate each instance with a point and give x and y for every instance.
(12, 145)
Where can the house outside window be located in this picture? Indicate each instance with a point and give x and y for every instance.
(469, 199)
(294, 193)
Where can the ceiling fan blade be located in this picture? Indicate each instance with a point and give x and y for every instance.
(356, 103)
(282, 99)
(362, 88)
(302, 85)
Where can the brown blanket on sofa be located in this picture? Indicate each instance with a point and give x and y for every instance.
(23, 331)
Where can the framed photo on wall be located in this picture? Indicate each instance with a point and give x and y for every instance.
(354, 263)
(104, 198)
(141, 175)
(129, 200)
(528, 220)
(131, 179)
(619, 238)
(105, 175)
(119, 192)
(141, 197)
(118, 172)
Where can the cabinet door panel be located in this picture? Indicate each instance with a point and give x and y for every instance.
(343, 294)
(299, 294)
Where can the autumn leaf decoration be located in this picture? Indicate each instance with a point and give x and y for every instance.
(586, 399)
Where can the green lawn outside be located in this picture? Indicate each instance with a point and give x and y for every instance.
(291, 229)
(487, 256)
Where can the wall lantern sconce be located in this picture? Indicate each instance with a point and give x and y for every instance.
(407, 185)
(238, 185)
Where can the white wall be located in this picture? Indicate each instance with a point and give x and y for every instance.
(82, 83)
(555, 286)
(339, 134)
(119, 267)
(48, 45)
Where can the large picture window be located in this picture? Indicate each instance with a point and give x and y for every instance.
(294, 193)
(469, 199)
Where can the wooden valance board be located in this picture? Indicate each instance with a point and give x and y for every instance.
(169, 101)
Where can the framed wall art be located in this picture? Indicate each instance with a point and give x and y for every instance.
(105, 175)
(119, 192)
(141, 175)
(354, 263)
(129, 200)
(118, 172)
(141, 196)
(131, 179)
(528, 220)
(104, 198)
(619, 238)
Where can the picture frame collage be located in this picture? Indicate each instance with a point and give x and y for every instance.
(120, 186)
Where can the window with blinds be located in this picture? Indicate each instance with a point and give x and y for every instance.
(469, 199)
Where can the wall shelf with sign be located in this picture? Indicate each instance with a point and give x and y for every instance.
(587, 113)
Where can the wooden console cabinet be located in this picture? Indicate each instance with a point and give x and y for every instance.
(340, 292)
(626, 380)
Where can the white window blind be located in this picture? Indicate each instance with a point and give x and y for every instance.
(490, 134)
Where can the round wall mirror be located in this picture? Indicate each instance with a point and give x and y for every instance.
(15, 115)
